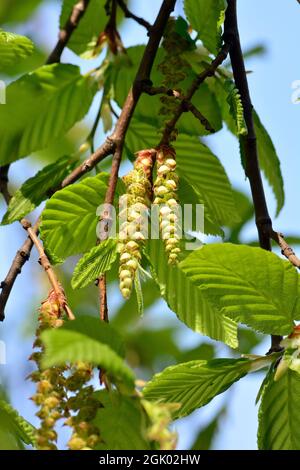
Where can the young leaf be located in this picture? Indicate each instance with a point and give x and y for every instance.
(57, 96)
(122, 423)
(139, 293)
(69, 220)
(249, 285)
(84, 39)
(63, 346)
(13, 48)
(94, 263)
(37, 188)
(194, 384)
(187, 301)
(269, 161)
(206, 17)
(236, 108)
(279, 418)
(21, 428)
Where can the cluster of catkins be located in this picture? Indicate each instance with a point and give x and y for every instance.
(134, 206)
(165, 187)
(54, 387)
(133, 217)
(50, 383)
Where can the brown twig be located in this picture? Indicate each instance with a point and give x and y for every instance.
(65, 34)
(129, 14)
(262, 217)
(188, 106)
(208, 72)
(286, 250)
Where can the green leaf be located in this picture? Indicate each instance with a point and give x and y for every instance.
(122, 423)
(236, 108)
(57, 96)
(63, 346)
(199, 167)
(269, 161)
(94, 263)
(187, 301)
(139, 293)
(16, 423)
(13, 48)
(203, 170)
(99, 331)
(279, 418)
(195, 383)
(206, 17)
(249, 285)
(69, 220)
(37, 188)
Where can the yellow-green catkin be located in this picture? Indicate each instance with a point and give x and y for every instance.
(50, 393)
(83, 407)
(134, 207)
(165, 192)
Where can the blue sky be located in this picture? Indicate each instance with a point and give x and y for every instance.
(275, 24)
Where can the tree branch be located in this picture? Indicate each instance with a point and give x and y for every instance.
(286, 250)
(65, 34)
(129, 14)
(262, 217)
(23, 253)
(208, 72)
(188, 106)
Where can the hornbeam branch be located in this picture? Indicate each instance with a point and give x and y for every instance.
(262, 217)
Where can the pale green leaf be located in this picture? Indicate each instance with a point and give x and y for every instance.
(69, 220)
(13, 48)
(205, 16)
(37, 188)
(63, 346)
(187, 301)
(42, 106)
(247, 284)
(195, 383)
(279, 418)
(94, 263)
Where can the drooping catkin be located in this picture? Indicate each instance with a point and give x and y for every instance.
(50, 394)
(84, 406)
(165, 192)
(133, 216)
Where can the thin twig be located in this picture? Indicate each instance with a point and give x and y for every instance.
(208, 72)
(286, 250)
(188, 106)
(129, 14)
(65, 34)
(262, 217)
